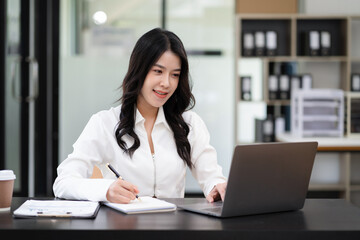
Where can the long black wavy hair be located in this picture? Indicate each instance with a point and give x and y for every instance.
(148, 49)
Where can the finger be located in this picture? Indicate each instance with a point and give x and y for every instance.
(116, 193)
(121, 188)
(221, 189)
(121, 199)
(217, 197)
(130, 187)
(209, 198)
(126, 193)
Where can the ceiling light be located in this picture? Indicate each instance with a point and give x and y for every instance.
(99, 17)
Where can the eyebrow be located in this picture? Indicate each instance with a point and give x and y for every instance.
(162, 67)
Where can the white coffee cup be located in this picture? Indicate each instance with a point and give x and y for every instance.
(7, 178)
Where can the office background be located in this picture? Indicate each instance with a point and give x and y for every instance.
(81, 62)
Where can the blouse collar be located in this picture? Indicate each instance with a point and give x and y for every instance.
(159, 119)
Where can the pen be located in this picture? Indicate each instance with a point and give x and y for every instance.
(118, 176)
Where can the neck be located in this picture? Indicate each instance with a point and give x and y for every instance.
(148, 112)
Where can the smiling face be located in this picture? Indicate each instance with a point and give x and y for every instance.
(160, 82)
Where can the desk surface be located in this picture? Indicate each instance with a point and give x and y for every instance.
(319, 219)
(325, 143)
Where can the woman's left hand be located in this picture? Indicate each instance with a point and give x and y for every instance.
(217, 193)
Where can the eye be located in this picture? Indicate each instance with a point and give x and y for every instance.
(176, 75)
(159, 71)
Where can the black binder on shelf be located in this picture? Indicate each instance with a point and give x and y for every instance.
(355, 82)
(271, 43)
(312, 43)
(259, 130)
(259, 43)
(284, 86)
(264, 130)
(280, 125)
(273, 87)
(248, 44)
(325, 40)
(268, 130)
(295, 83)
(245, 88)
(355, 116)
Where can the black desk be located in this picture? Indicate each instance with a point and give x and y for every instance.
(319, 219)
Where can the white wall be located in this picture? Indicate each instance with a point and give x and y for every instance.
(333, 7)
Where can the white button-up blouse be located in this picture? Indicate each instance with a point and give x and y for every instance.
(161, 174)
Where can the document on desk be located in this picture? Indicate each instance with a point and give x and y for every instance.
(57, 208)
(145, 205)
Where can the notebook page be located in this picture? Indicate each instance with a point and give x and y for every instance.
(146, 204)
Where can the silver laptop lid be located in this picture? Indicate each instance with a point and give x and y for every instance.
(268, 177)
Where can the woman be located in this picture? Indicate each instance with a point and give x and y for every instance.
(150, 138)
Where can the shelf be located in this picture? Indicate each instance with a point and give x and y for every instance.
(321, 133)
(299, 58)
(322, 59)
(322, 17)
(353, 94)
(328, 69)
(353, 113)
(326, 187)
(282, 27)
(278, 102)
(325, 143)
(271, 58)
(355, 187)
(335, 26)
(250, 102)
(355, 136)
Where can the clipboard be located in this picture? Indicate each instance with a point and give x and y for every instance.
(57, 209)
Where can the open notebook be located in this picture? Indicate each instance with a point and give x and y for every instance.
(145, 205)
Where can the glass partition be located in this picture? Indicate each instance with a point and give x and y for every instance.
(12, 90)
(97, 37)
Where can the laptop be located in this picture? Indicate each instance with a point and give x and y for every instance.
(264, 178)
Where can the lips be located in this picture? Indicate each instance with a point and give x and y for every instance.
(160, 94)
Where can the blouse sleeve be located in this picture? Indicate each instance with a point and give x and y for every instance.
(73, 180)
(203, 156)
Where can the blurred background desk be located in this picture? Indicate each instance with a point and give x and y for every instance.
(336, 167)
(319, 219)
(344, 144)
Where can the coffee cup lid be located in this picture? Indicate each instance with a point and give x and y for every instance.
(7, 175)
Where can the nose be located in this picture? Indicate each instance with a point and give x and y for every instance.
(165, 81)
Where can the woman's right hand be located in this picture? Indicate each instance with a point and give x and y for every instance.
(121, 191)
